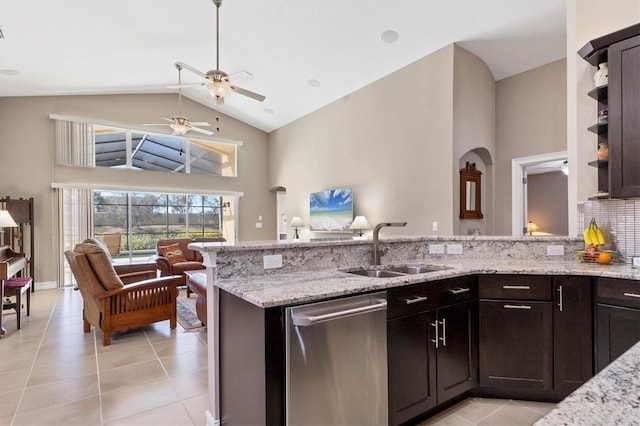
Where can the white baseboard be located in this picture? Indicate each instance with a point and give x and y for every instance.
(210, 420)
(45, 285)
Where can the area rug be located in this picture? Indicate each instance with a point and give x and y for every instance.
(187, 317)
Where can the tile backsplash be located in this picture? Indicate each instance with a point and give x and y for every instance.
(619, 221)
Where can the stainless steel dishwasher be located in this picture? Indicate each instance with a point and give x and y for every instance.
(336, 362)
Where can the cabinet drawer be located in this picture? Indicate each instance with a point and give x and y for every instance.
(515, 287)
(430, 295)
(618, 292)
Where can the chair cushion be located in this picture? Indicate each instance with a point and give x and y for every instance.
(101, 264)
(180, 267)
(99, 243)
(173, 253)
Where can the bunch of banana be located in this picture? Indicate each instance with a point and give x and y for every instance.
(593, 234)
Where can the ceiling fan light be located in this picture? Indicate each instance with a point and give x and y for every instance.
(179, 129)
(218, 88)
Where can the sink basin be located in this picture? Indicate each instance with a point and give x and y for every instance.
(377, 273)
(397, 271)
(411, 270)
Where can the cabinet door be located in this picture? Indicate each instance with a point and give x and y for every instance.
(572, 332)
(516, 344)
(412, 366)
(457, 353)
(624, 125)
(617, 329)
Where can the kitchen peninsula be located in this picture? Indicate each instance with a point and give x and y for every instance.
(318, 271)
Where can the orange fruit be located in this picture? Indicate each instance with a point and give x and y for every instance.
(604, 258)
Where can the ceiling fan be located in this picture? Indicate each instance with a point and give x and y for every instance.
(218, 82)
(180, 124)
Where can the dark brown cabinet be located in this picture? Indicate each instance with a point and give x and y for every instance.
(617, 318)
(432, 345)
(572, 333)
(624, 118)
(619, 175)
(516, 344)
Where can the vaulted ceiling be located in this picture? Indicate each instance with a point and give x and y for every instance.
(302, 54)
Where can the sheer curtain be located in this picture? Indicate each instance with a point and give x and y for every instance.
(74, 144)
(75, 207)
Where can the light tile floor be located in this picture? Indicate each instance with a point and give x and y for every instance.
(494, 412)
(51, 373)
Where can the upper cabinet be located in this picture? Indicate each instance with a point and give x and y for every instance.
(617, 155)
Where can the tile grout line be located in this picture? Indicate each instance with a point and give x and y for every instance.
(494, 411)
(24, 388)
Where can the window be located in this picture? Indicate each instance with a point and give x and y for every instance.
(144, 218)
(119, 148)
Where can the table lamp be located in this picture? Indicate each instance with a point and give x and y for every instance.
(360, 223)
(6, 221)
(532, 227)
(296, 223)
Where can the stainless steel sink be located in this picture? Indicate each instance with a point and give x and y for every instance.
(411, 270)
(377, 273)
(397, 271)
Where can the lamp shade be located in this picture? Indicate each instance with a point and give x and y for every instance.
(6, 221)
(296, 222)
(360, 222)
(532, 227)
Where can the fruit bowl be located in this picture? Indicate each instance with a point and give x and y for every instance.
(594, 257)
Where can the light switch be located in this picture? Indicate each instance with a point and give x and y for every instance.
(258, 224)
(555, 250)
(454, 248)
(436, 248)
(434, 225)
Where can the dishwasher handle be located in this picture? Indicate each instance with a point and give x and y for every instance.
(307, 320)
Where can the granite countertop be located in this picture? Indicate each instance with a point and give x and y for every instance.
(611, 397)
(299, 287)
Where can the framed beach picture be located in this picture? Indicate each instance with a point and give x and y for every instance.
(331, 211)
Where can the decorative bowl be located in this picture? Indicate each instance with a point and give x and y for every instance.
(592, 257)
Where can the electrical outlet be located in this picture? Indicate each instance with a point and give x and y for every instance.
(555, 250)
(272, 261)
(635, 262)
(454, 248)
(258, 224)
(259, 218)
(436, 248)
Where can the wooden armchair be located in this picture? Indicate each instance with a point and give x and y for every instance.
(110, 305)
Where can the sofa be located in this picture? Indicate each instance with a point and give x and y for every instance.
(198, 285)
(174, 257)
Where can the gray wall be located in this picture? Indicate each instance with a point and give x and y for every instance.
(531, 119)
(547, 202)
(27, 166)
(397, 142)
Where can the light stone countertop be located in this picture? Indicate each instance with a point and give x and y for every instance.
(611, 397)
(267, 291)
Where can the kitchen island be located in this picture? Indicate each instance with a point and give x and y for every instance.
(318, 271)
(612, 397)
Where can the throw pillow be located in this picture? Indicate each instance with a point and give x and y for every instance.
(173, 253)
(101, 265)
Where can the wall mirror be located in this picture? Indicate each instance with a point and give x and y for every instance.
(470, 192)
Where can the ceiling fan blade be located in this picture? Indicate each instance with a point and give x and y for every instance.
(239, 76)
(200, 123)
(170, 120)
(192, 69)
(155, 124)
(249, 93)
(180, 86)
(203, 131)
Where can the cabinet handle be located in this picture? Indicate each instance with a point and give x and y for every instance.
(458, 290)
(444, 332)
(632, 295)
(435, 324)
(517, 307)
(415, 299)
(516, 287)
(560, 297)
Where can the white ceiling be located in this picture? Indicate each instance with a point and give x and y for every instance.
(65, 47)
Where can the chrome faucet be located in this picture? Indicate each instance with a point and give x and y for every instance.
(376, 251)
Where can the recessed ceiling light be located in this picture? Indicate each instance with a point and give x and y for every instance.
(389, 36)
(269, 111)
(9, 72)
(313, 82)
